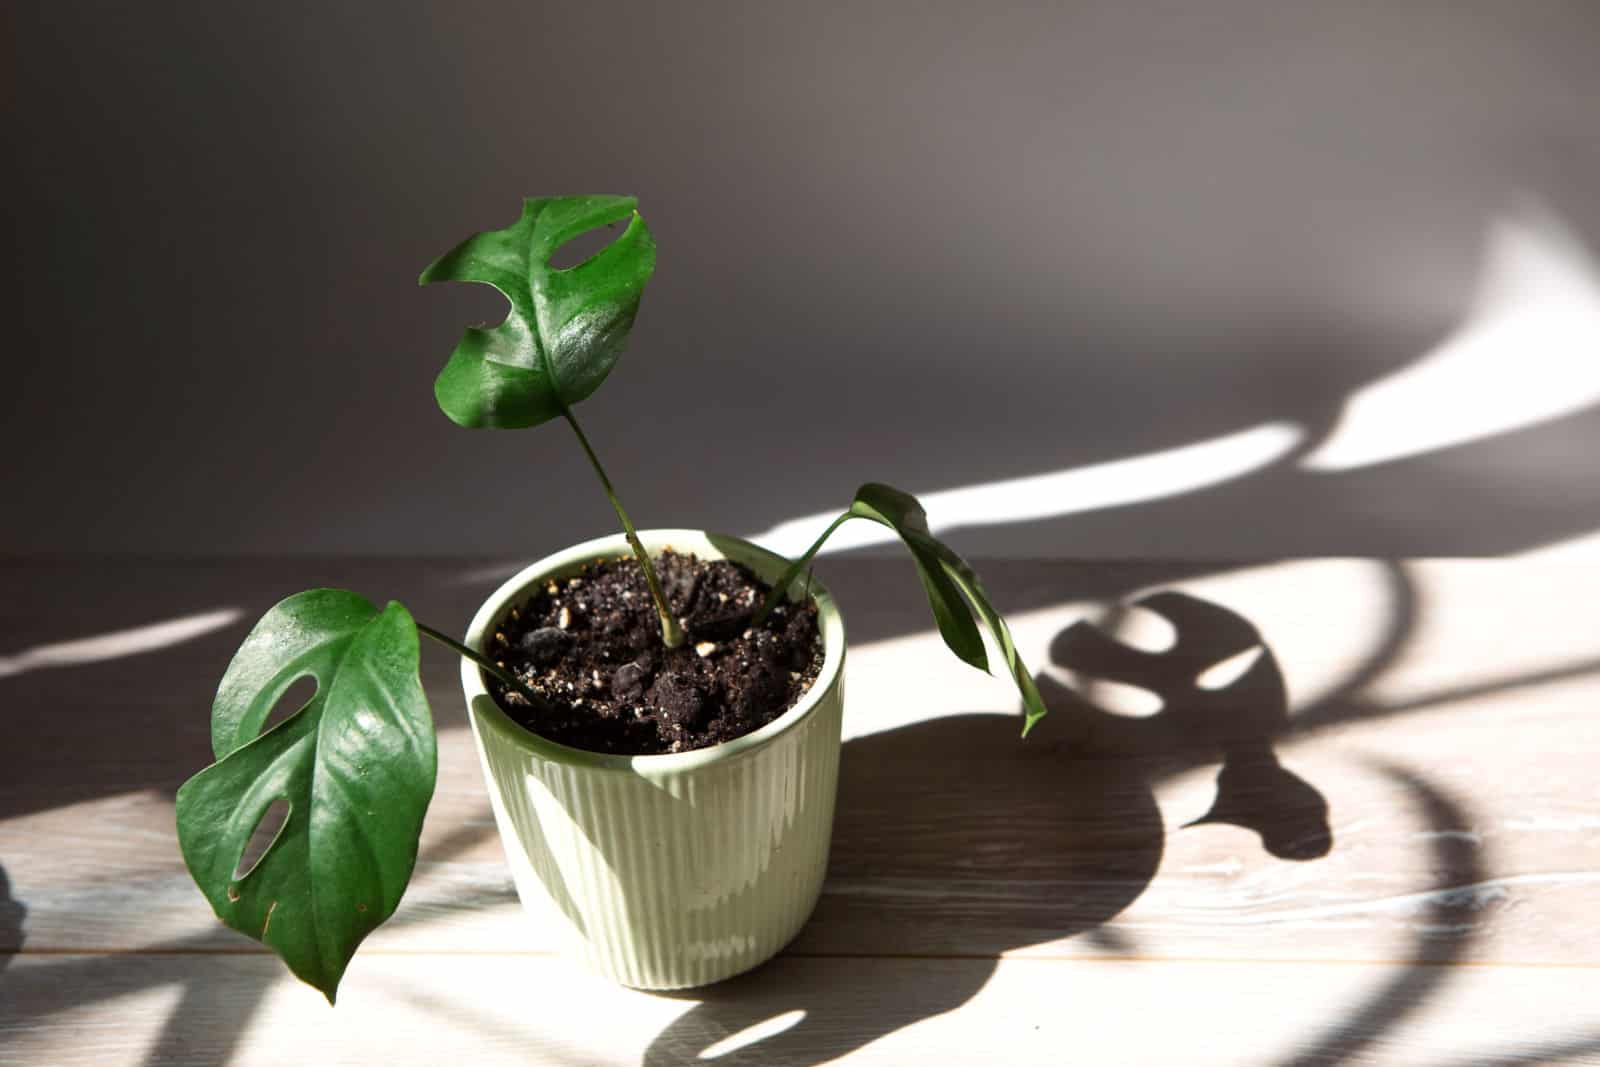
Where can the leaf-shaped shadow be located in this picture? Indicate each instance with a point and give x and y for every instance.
(1236, 721)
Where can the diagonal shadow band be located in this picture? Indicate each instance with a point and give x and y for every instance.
(1458, 862)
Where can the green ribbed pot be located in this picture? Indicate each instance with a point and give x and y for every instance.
(664, 872)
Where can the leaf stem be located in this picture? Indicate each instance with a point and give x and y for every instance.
(671, 632)
(780, 587)
(487, 664)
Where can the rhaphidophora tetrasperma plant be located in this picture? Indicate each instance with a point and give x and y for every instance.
(356, 764)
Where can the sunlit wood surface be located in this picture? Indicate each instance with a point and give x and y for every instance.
(1402, 864)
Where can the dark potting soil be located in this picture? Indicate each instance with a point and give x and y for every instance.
(591, 645)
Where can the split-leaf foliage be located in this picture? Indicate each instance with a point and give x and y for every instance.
(565, 328)
(356, 763)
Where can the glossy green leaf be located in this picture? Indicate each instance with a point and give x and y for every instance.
(955, 594)
(356, 765)
(904, 515)
(565, 328)
(942, 572)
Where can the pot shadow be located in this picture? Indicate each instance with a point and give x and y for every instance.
(955, 845)
(951, 843)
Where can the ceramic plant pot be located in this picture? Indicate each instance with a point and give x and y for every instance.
(675, 870)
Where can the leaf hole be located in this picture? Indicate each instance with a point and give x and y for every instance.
(297, 696)
(265, 835)
(585, 246)
(1139, 627)
(1119, 698)
(1221, 675)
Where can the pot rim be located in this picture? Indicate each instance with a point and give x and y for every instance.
(766, 563)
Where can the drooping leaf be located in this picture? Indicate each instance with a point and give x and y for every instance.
(356, 765)
(942, 572)
(904, 515)
(565, 328)
(957, 598)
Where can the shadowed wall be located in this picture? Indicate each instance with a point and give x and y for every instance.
(935, 245)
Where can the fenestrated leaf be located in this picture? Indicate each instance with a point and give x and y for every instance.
(943, 572)
(356, 764)
(306, 634)
(565, 328)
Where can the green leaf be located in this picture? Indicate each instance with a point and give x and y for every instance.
(356, 765)
(957, 598)
(943, 572)
(565, 328)
(902, 513)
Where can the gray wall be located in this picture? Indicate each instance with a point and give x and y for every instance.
(936, 245)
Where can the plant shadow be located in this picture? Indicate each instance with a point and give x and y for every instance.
(1234, 719)
(955, 845)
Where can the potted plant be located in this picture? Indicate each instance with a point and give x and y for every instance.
(657, 712)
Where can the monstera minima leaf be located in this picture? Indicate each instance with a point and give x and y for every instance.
(565, 328)
(356, 766)
(958, 599)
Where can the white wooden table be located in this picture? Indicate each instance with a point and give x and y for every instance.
(1408, 870)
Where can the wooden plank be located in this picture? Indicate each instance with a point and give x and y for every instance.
(1450, 744)
(1438, 716)
(487, 1009)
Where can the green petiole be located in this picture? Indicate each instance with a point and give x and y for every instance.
(487, 664)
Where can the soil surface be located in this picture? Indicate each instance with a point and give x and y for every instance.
(591, 645)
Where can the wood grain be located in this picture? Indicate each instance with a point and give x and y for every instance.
(189, 1011)
(1409, 845)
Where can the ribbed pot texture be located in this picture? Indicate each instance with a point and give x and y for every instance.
(669, 871)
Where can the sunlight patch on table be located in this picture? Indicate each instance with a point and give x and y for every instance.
(118, 643)
(751, 1035)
